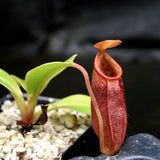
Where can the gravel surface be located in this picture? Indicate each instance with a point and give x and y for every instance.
(45, 142)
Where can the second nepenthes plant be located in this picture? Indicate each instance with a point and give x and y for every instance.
(36, 80)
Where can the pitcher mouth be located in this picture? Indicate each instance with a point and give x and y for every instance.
(106, 66)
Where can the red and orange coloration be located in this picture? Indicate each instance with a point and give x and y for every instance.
(109, 118)
(108, 109)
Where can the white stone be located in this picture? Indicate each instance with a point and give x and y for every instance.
(2, 156)
(20, 149)
(14, 155)
(8, 156)
(80, 131)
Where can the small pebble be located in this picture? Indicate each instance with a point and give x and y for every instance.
(59, 127)
(20, 149)
(69, 120)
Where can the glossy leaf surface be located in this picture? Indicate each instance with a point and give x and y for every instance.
(9, 82)
(38, 78)
(20, 81)
(78, 102)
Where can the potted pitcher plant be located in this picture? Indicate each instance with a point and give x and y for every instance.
(106, 104)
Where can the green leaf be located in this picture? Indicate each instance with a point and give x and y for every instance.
(78, 102)
(20, 81)
(9, 82)
(38, 78)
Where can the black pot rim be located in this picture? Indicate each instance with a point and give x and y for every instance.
(41, 99)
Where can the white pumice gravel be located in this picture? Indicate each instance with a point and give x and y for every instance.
(45, 142)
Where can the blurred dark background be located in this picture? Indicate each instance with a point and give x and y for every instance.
(33, 32)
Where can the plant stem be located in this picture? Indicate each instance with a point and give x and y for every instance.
(93, 98)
